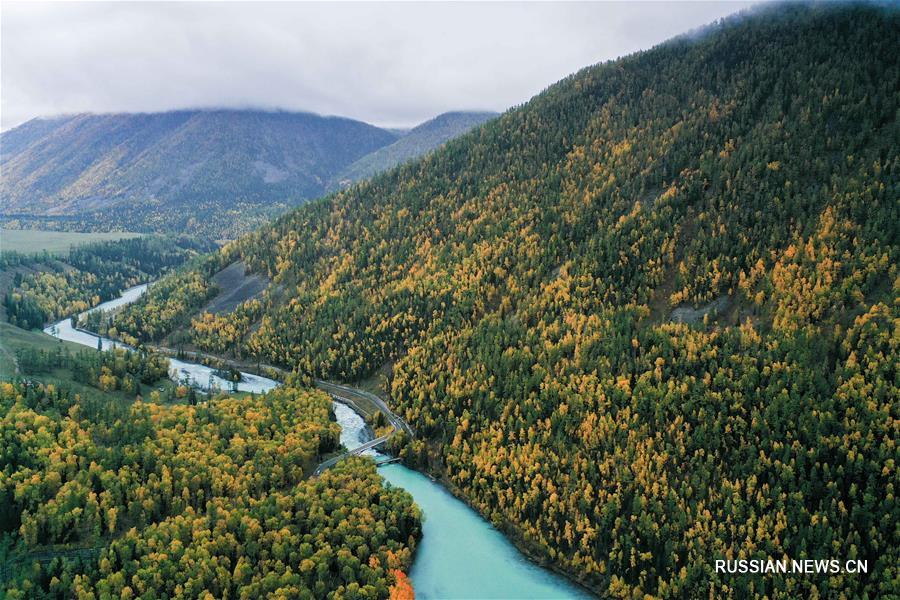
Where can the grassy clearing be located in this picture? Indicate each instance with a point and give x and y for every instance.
(31, 241)
(13, 338)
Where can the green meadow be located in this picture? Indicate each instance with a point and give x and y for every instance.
(29, 241)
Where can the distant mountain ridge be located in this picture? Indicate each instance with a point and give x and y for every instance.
(209, 158)
(416, 142)
(232, 168)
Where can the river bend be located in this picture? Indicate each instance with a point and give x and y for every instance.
(460, 555)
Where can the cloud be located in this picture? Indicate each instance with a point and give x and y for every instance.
(384, 63)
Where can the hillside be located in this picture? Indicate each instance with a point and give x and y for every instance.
(519, 285)
(413, 144)
(143, 170)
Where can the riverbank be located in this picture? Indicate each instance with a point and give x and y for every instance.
(361, 403)
(456, 538)
(363, 406)
(180, 371)
(530, 549)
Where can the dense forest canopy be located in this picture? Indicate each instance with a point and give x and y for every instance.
(105, 499)
(527, 284)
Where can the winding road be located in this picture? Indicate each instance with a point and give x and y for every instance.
(455, 539)
(358, 399)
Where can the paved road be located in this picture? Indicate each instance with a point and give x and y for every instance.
(357, 399)
(325, 465)
(352, 397)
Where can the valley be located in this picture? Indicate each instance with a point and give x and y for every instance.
(508, 279)
(642, 323)
(455, 538)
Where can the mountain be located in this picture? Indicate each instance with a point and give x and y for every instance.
(144, 170)
(416, 142)
(645, 322)
(235, 169)
(15, 140)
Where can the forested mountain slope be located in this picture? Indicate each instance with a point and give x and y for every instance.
(143, 170)
(520, 282)
(413, 144)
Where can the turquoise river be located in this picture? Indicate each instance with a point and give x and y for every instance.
(461, 555)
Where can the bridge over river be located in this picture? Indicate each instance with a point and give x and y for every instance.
(365, 403)
(455, 539)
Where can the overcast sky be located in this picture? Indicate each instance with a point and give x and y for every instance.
(391, 64)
